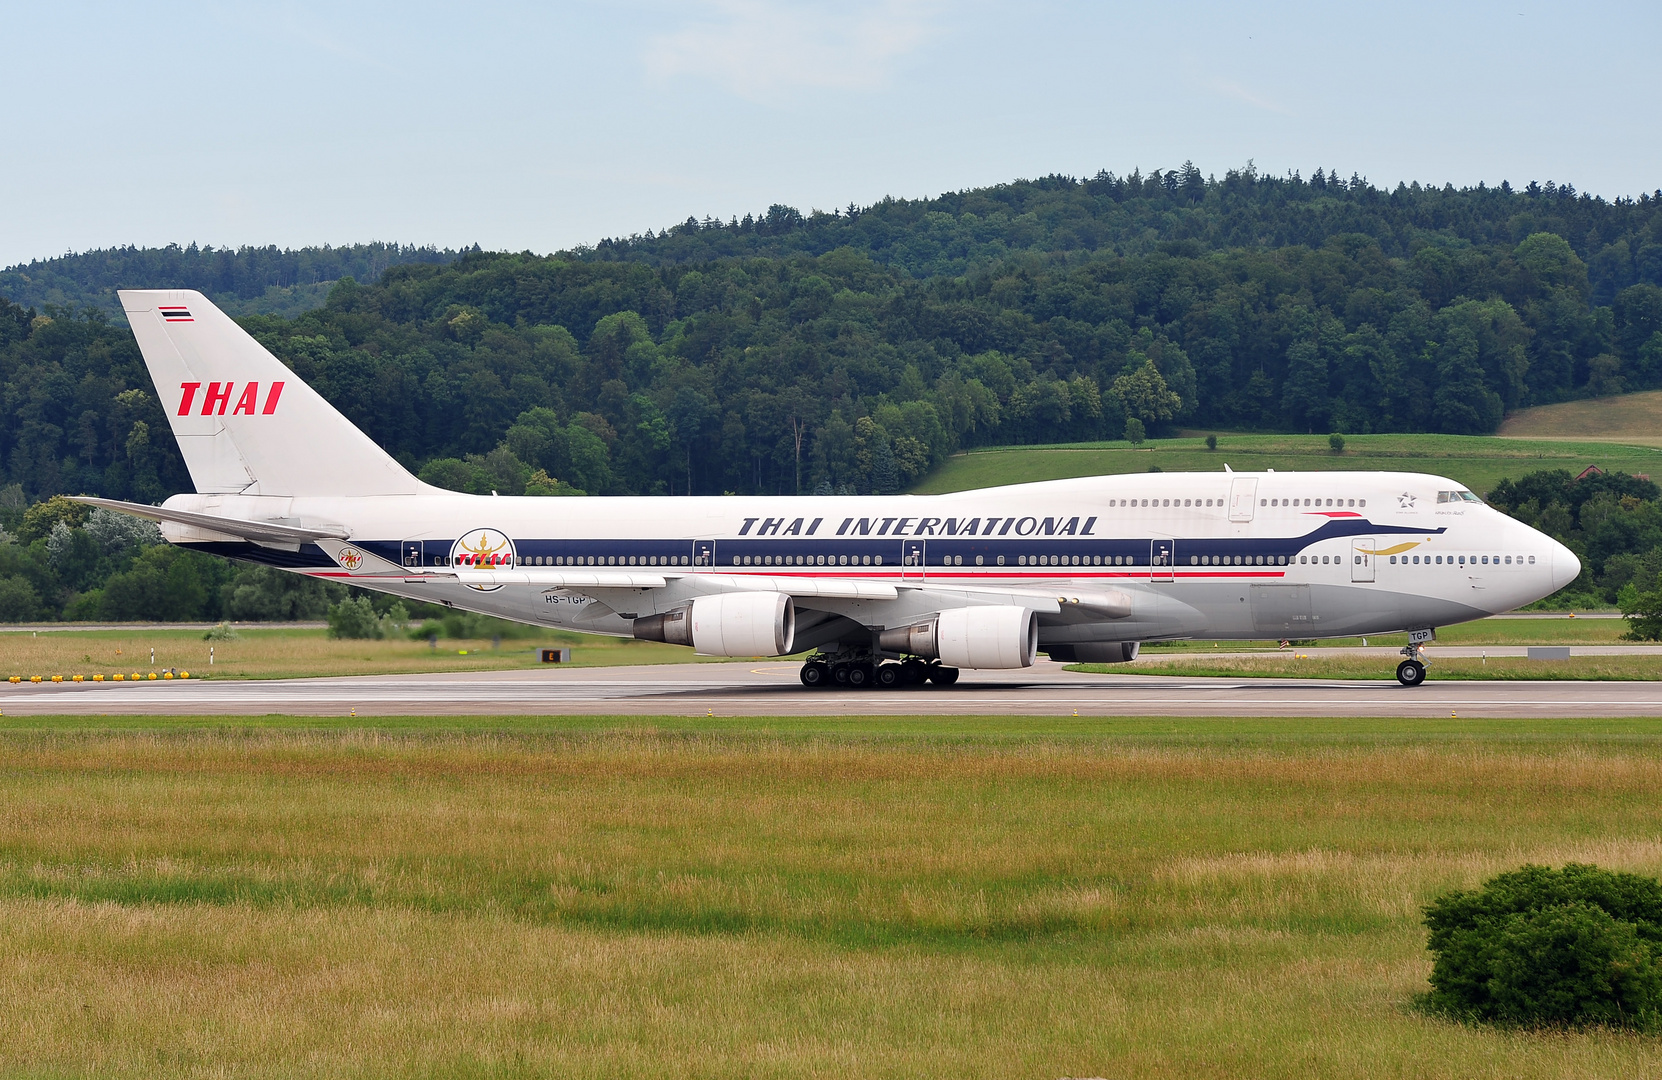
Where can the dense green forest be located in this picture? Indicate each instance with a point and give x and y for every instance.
(246, 280)
(854, 350)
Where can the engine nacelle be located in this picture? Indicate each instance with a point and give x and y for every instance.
(1094, 652)
(743, 624)
(727, 624)
(972, 637)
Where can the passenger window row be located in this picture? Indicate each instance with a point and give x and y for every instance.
(1317, 502)
(610, 560)
(1463, 560)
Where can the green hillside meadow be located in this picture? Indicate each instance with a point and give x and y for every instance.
(1478, 462)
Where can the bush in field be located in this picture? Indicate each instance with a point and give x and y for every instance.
(355, 617)
(1541, 947)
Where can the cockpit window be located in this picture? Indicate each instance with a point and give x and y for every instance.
(1457, 496)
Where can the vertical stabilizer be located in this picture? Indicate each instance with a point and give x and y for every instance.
(244, 422)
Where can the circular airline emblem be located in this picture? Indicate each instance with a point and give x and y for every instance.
(483, 549)
(350, 558)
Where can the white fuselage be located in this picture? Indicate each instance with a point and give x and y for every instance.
(1153, 556)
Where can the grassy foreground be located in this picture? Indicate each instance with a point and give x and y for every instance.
(1479, 462)
(975, 897)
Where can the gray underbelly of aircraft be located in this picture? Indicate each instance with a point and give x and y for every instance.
(1213, 610)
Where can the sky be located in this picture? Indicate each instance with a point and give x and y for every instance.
(545, 126)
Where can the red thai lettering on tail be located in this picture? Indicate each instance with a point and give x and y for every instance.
(188, 390)
(271, 398)
(250, 397)
(218, 394)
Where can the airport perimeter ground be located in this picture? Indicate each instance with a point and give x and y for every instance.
(797, 885)
(706, 871)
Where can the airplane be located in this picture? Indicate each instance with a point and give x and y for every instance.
(889, 590)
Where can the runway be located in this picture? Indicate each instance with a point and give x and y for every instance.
(772, 689)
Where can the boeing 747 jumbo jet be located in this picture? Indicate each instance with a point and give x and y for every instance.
(890, 590)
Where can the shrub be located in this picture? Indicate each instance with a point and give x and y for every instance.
(1135, 433)
(1542, 947)
(1211, 442)
(1336, 443)
(355, 617)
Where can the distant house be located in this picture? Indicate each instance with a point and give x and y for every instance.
(1591, 470)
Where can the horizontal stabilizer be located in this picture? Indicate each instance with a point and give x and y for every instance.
(260, 532)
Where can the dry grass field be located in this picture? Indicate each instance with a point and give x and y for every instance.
(969, 897)
(1628, 418)
(291, 653)
(288, 653)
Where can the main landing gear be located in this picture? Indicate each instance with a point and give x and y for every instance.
(856, 672)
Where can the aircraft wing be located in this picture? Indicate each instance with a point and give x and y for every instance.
(260, 532)
(631, 579)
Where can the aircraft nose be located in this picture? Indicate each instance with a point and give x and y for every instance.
(1565, 566)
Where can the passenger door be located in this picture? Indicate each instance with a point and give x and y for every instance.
(412, 552)
(1361, 558)
(704, 554)
(1243, 496)
(1161, 560)
(912, 566)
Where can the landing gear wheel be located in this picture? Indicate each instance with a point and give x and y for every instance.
(1410, 673)
(815, 675)
(943, 676)
(859, 676)
(890, 676)
(839, 673)
(914, 672)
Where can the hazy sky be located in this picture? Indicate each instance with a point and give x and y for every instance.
(544, 126)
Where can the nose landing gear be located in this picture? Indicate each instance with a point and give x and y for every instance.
(1411, 672)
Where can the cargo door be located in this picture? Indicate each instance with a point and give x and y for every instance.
(1243, 496)
(1361, 558)
(1281, 611)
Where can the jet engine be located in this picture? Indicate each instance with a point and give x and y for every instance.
(1094, 652)
(971, 637)
(727, 624)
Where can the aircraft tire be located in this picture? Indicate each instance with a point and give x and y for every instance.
(859, 676)
(839, 673)
(914, 672)
(1410, 673)
(943, 676)
(815, 675)
(889, 676)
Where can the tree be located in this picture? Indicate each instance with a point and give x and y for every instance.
(1134, 431)
(1145, 394)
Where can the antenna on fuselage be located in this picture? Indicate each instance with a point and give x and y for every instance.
(1226, 467)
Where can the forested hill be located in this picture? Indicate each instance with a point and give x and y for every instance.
(245, 280)
(1181, 212)
(819, 355)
